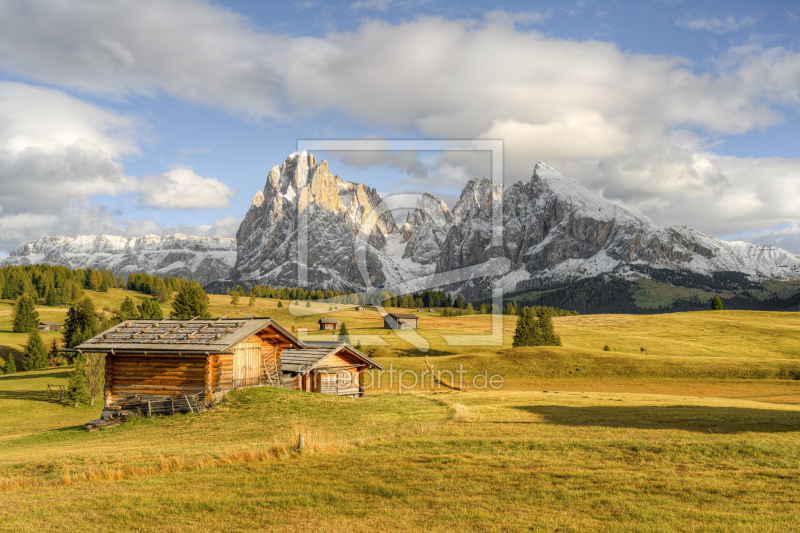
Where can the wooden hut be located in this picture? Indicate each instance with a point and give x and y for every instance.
(328, 323)
(400, 321)
(202, 358)
(49, 326)
(337, 370)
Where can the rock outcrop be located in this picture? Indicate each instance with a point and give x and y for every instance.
(202, 258)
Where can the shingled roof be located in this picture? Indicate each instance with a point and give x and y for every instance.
(302, 361)
(195, 336)
(402, 315)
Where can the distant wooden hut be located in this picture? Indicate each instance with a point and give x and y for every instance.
(337, 370)
(148, 359)
(328, 323)
(50, 326)
(400, 321)
(359, 308)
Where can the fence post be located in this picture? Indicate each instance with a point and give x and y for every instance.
(301, 442)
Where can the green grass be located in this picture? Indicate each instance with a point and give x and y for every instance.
(698, 434)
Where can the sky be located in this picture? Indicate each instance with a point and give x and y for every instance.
(156, 117)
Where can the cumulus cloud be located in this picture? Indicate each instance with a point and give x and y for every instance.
(727, 24)
(637, 127)
(181, 188)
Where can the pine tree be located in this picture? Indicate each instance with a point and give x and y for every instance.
(95, 374)
(128, 309)
(76, 386)
(120, 282)
(103, 286)
(35, 354)
(191, 301)
(470, 309)
(280, 303)
(11, 364)
(527, 331)
(548, 332)
(344, 335)
(459, 303)
(26, 318)
(53, 354)
(308, 303)
(235, 298)
(251, 302)
(716, 303)
(150, 309)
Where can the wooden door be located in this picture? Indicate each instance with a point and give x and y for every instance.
(329, 384)
(247, 364)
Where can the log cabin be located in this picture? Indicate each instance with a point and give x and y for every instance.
(400, 321)
(200, 358)
(337, 370)
(328, 323)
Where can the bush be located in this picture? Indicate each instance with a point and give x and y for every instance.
(606, 348)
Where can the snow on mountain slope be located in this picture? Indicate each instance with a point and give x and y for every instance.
(201, 258)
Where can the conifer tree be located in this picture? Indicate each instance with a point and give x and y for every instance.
(251, 301)
(280, 303)
(527, 332)
(76, 386)
(53, 354)
(150, 309)
(548, 332)
(120, 282)
(35, 354)
(716, 303)
(344, 335)
(128, 309)
(11, 364)
(26, 318)
(94, 375)
(103, 285)
(191, 301)
(308, 303)
(235, 298)
(459, 304)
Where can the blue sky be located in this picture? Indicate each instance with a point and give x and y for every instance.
(131, 118)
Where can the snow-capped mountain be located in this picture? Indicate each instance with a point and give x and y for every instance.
(552, 229)
(201, 258)
(309, 227)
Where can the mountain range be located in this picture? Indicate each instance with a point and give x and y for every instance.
(310, 227)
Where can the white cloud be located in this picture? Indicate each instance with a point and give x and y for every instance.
(727, 24)
(375, 5)
(638, 127)
(181, 188)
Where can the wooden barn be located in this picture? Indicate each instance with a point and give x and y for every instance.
(400, 321)
(337, 370)
(50, 326)
(328, 323)
(197, 358)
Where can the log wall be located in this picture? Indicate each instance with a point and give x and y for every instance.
(145, 375)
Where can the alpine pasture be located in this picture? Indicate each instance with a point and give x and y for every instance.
(689, 422)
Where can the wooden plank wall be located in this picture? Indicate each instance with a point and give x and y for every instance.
(148, 375)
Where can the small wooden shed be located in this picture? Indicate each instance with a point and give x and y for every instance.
(400, 321)
(328, 323)
(49, 326)
(148, 359)
(337, 370)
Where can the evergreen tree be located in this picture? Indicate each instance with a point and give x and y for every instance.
(459, 303)
(470, 309)
(35, 355)
(76, 386)
(120, 282)
(11, 364)
(548, 332)
(191, 301)
(26, 318)
(235, 298)
(527, 332)
(53, 354)
(103, 286)
(308, 303)
(150, 309)
(344, 335)
(128, 309)
(251, 302)
(716, 303)
(71, 325)
(94, 371)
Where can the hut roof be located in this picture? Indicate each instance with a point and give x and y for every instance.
(195, 336)
(328, 321)
(303, 361)
(402, 315)
(49, 324)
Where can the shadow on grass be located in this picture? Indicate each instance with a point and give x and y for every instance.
(30, 395)
(684, 417)
(37, 374)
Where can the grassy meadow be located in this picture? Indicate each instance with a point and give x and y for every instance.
(697, 432)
